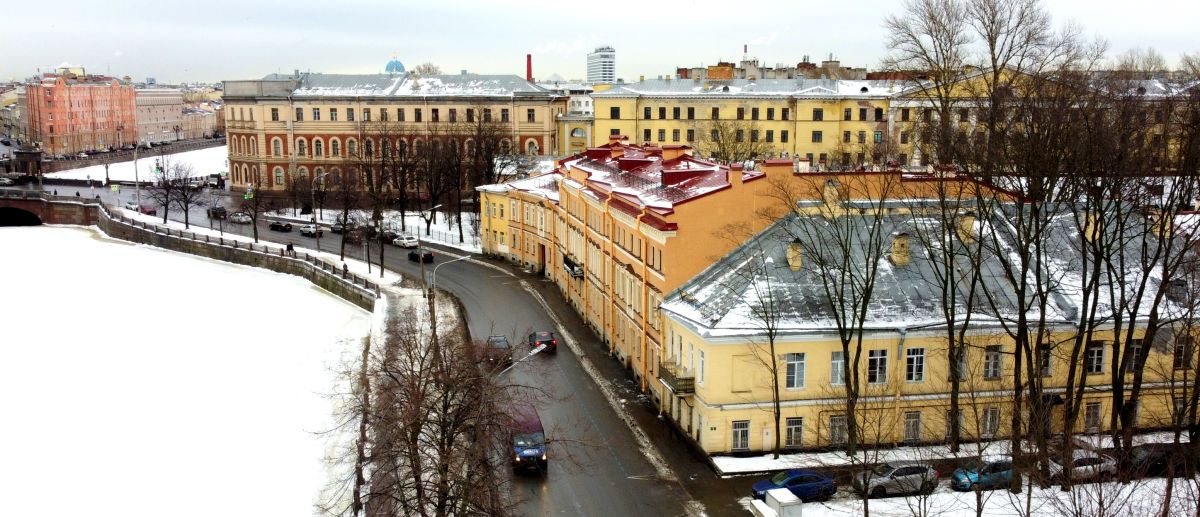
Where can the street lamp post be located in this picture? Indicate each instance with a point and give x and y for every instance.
(421, 248)
(433, 278)
(317, 226)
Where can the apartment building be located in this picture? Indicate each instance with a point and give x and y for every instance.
(70, 112)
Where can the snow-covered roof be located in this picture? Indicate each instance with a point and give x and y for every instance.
(544, 186)
(408, 85)
(754, 87)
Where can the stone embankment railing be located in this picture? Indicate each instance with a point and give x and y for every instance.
(349, 286)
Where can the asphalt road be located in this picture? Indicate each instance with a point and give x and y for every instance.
(595, 467)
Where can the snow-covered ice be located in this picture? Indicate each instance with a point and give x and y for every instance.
(212, 160)
(139, 381)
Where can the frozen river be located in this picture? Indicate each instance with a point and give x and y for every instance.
(136, 381)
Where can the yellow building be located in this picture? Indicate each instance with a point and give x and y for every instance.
(718, 364)
(830, 123)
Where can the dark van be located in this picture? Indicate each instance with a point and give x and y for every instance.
(528, 439)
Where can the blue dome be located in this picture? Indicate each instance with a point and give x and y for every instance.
(394, 67)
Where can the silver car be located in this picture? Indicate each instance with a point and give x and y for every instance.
(898, 477)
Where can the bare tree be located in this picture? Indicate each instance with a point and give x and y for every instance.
(427, 68)
(166, 185)
(730, 140)
(256, 201)
(190, 193)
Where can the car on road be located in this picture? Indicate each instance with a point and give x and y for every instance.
(543, 337)
(895, 478)
(148, 210)
(280, 226)
(987, 473)
(132, 205)
(340, 228)
(6, 141)
(1153, 459)
(311, 230)
(1088, 466)
(217, 212)
(5, 182)
(528, 439)
(240, 218)
(406, 241)
(496, 352)
(422, 255)
(82, 155)
(804, 484)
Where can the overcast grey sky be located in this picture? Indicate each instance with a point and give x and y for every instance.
(223, 39)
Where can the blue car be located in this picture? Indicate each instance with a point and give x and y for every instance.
(985, 474)
(804, 484)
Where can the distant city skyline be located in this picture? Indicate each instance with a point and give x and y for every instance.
(181, 42)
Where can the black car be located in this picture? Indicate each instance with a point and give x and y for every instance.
(339, 228)
(6, 142)
(496, 352)
(544, 337)
(281, 226)
(424, 255)
(217, 212)
(1152, 459)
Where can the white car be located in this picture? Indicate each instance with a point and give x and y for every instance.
(405, 241)
(132, 205)
(310, 230)
(5, 182)
(240, 218)
(1089, 466)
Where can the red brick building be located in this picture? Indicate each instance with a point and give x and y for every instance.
(67, 113)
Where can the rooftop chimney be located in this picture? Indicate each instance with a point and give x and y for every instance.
(529, 67)
(899, 253)
(795, 254)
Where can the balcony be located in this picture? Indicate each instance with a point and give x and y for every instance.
(676, 379)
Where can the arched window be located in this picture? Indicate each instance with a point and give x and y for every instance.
(470, 145)
(351, 147)
(418, 147)
(402, 147)
(335, 147)
(505, 146)
(242, 148)
(276, 147)
(436, 146)
(531, 146)
(318, 148)
(302, 172)
(253, 146)
(301, 147)
(369, 147)
(279, 176)
(578, 133)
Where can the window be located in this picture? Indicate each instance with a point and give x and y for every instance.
(862, 137)
(299, 114)
(1093, 357)
(470, 114)
(992, 361)
(487, 114)
(846, 114)
(795, 371)
(770, 113)
(816, 137)
(418, 115)
(530, 115)
(991, 423)
(276, 147)
(700, 367)
(914, 365)
(1184, 350)
(301, 148)
(739, 135)
(794, 432)
(316, 113)
(862, 113)
(716, 113)
(278, 175)
(877, 366)
(662, 135)
(274, 114)
(770, 135)
(837, 429)
(691, 135)
(454, 115)
(753, 113)
(964, 115)
(741, 435)
(837, 368)
(675, 113)
(662, 112)
(845, 137)
(503, 114)
(904, 137)
(753, 135)
(646, 135)
(927, 115)
(818, 114)
(674, 135)
(1132, 360)
(614, 112)
(741, 113)
(366, 115)
(434, 115)
(879, 114)
(904, 114)
(691, 113)
(879, 137)
(349, 114)
(1045, 353)
(912, 426)
(614, 132)
(785, 113)
(1091, 417)
(333, 114)
(318, 148)
(646, 112)
(1179, 407)
(783, 136)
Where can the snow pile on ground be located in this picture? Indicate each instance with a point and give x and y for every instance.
(212, 160)
(143, 382)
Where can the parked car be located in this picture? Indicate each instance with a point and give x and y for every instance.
(423, 255)
(81, 155)
(1153, 459)
(148, 210)
(339, 228)
(528, 439)
(405, 241)
(217, 212)
(131, 205)
(5, 182)
(310, 230)
(543, 337)
(895, 478)
(280, 226)
(984, 474)
(6, 141)
(240, 218)
(1088, 466)
(496, 352)
(805, 484)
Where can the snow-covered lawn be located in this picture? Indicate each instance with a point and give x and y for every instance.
(137, 381)
(212, 160)
(443, 231)
(729, 465)
(1140, 498)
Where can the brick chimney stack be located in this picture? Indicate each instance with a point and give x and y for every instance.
(529, 67)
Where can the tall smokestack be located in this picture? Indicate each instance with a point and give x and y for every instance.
(529, 67)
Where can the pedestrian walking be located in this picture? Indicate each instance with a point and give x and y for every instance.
(76, 193)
